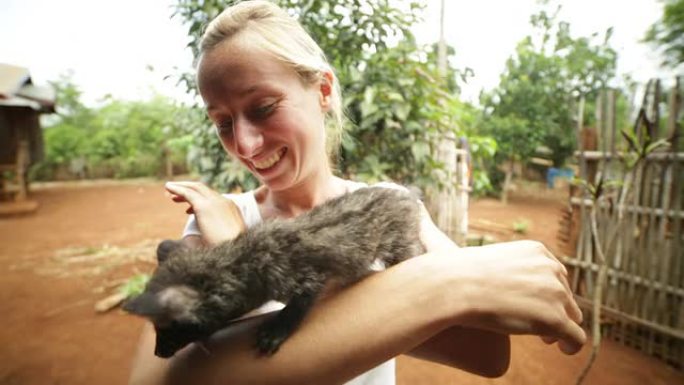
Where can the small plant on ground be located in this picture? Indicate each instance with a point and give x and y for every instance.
(521, 226)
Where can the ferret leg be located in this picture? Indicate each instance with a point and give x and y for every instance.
(273, 332)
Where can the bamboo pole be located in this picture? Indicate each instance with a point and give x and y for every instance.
(655, 156)
(447, 146)
(622, 275)
(23, 161)
(600, 124)
(654, 129)
(662, 246)
(612, 123)
(613, 254)
(672, 213)
(633, 241)
(676, 276)
(621, 252)
(583, 174)
(595, 300)
(676, 333)
(654, 186)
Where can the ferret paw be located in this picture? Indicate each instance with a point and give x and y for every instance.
(269, 340)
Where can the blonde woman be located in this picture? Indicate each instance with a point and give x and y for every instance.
(276, 106)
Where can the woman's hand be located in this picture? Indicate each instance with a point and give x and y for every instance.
(218, 218)
(517, 288)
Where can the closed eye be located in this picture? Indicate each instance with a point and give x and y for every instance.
(225, 128)
(264, 111)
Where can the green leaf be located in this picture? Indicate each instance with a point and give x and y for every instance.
(135, 285)
(420, 150)
(402, 111)
(661, 143)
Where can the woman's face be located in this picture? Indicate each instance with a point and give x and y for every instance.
(265, 116)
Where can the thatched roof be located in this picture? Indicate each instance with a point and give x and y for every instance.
(17, 90)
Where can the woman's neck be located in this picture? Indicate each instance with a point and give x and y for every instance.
(302, 197)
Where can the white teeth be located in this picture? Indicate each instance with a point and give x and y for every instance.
(270, 161)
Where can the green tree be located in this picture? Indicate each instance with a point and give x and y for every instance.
(117, 139)
(533, 104)
(395, 105)
(70, 108)
(668, 33)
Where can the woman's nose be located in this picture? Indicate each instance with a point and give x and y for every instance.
(248, 138)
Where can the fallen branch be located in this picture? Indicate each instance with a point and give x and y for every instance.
(60, 309)
(110, 302)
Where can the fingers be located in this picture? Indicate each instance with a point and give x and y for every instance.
(571, 342)
(576, 339)
(549, 305)
(571, 307)
(190, 192)
(574, 310)
(179, 193)
(549, 340)
(550, 255)
(197, 187)
(563, 345)
(174, 197)
(571, 337)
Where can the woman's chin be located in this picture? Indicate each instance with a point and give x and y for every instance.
(276, 181)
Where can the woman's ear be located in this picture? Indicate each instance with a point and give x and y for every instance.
(326, 90)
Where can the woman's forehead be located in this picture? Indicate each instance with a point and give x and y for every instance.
(234, 67)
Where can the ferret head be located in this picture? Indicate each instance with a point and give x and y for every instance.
(173, 311)
(181, 300)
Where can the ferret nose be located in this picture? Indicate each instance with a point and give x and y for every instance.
(163, 352)
(164, 348)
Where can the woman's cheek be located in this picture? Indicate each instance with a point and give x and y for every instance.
(229, 147)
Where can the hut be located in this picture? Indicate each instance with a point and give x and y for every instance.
(21, 137)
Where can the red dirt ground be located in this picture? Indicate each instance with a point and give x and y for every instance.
(57, 263)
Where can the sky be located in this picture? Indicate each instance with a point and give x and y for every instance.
(126, 48)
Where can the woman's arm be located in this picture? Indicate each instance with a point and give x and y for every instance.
(379, 317)
(477, 351)
(344, 335)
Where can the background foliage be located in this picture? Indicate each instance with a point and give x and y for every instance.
(397, 103)
(667, 34)
(118, 139)
(533, 104)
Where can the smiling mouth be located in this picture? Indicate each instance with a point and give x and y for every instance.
(270, 161)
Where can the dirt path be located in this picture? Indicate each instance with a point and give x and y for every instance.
(56, 264)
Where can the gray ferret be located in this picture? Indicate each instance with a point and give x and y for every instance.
(196, 292)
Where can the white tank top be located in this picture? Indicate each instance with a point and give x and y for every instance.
(384, 374)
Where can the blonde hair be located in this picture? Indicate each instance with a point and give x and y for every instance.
(277, 33)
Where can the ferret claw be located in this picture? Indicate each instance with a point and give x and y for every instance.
(269, 341)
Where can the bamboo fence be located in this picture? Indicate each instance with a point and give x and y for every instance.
(449, 204)
(643, 298)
